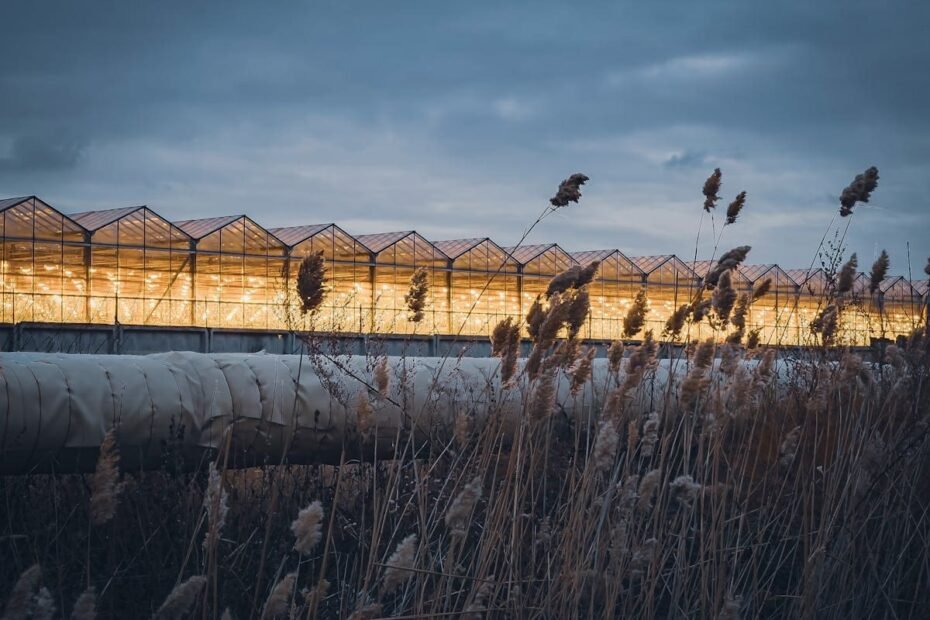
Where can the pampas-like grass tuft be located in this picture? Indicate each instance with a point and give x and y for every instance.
(85, 607)
(712, 189)
(181, 599)
(847, 275)
(879, 271)
(382, 379)
(43, 605)
(105, 485)
(458, 516)
(19, 605)
(569, 190)
(308, 528)
(278, 602)
(398, 567)
(310, 277)
(636, 315)
(859, 190)
(416, 295)
(505, 344)
(215, 503)
(735, 207)
(605, 446)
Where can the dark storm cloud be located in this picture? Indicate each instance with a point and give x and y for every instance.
(460, 119)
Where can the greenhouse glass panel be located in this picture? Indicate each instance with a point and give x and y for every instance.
(612, 291)
(485, 285)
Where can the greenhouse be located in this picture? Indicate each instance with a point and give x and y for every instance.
(131, 266)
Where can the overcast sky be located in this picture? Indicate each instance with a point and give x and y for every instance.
(460, 119)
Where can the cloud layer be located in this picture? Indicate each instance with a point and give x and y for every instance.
(460, 120)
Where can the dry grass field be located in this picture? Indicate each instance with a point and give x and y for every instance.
(755, 484)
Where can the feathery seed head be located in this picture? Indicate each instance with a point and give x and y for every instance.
(569, 190)
(615, 355)
(279, 601)
(735, 207)
(399, 565)
(636, 316)
(85, 607)
(181, 599)
(847, 275)
(416, 296)
(310, 277)
(382, 379)
(458, 516)
(762, 290)
(20, 602)
(711, 189)
(879, 271)
(859, 190)
(308, 528)
(215, 505)
(106, 486)
(605, 446)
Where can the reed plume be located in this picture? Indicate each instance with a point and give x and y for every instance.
(647, 488)
(676, 322)
(636, 316)
(579, 305)
(543, 400)
(364, 415)
(641, 360)
(758, 292)
(735, 207)
(723, 298)
(684, 490)
(535, 318)
(730, 260)
(19, 605)
(615, 356)
(927, 267)
(859, 190)
(582, 370)
(182, 599)
(650, 435)
(789, 447)
(753, 339)
(605, 446)
(573, 277)
(696, 379)
(711, 189)
(879, 271)
(308, 528)
(85, 607)
(43, 605)
(399, 565)
(505, 344)
(847, 275)
(279, 601)
(458, 516)
(105, 485)
(416, 295)
(215, 505)
(569, 190)
(381, 376)
(310, 277)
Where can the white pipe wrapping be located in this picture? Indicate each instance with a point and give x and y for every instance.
(56, 408)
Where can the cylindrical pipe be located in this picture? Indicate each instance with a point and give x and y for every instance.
(56, 408)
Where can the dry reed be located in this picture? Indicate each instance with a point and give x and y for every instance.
(310, 278)
(105, 484)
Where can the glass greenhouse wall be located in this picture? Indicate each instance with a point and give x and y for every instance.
(131, 266)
